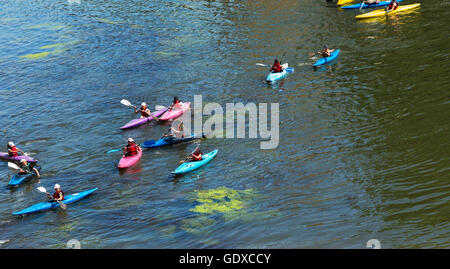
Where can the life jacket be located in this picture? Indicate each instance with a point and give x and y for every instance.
(14, 152)
(277, 68)
(392, 5)
(144, 113)
(132, 150)
(197, 156)
(56, 194)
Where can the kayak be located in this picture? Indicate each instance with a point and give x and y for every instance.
(165, 141)
(51, 204)
(21, 178)
(381, 12)
(127, 161)
(137, 122)
(325, 60)
(175, 113)
(343, 2)
(190, 166)
(5, 156)
(358, 6)
(271, 77)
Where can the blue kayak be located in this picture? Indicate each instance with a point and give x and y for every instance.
(51, 204)
(21, 178)
(325, 60)
(165, 141)
(358, 6)
(190, 166)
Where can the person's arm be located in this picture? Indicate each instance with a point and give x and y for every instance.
(59, 198)
(135, 110)
(37, 172)
(49, 196)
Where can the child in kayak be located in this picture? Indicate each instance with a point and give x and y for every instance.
(393, 5)
(58, 195)
(132, 148)
(25, 168)
(13, 151)
(145, 112)
(195, 156)
(176, 103)
(276, 67)
(326, 52)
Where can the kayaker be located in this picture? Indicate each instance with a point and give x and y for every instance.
(132, 148)
(276, 67)
(393, 5)
(13, 151)
(145, 112)
(326, 52)
(177, 132)
(58, 195)
(176, 103)
(25, 168)
(195, 156)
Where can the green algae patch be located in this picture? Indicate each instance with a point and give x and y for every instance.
(221, 200)
(36, 56)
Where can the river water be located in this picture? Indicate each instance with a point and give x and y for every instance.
(364, 144)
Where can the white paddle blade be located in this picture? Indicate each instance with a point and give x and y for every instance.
(261, 64)
(158, 107)
(125, 102)
(13, 166)
(41, 189)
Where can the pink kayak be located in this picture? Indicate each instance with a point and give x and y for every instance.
(137, 122)
(128, 161)
(175, 113)
(5, 156)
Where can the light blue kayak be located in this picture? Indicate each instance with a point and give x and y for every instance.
(276, 76)
(19, 178)
(326, 60)
(50, 204)
(358, 6)
(190, 166)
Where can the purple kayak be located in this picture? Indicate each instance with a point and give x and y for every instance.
(137, 122)
(5, 156)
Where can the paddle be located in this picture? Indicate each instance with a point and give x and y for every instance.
(43, 190)
(362, 4)
(126, 102)
(113, 150)
(13, 166)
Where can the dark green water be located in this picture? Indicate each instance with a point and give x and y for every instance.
(364, 144)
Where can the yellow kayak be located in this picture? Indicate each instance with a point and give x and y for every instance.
(381, 12)
(343, 2)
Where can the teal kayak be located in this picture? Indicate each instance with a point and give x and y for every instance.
(358, 6)
(51, 204)
(326, 60)
(21, 178)
(191, 166)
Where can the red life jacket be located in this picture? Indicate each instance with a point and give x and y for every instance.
(131, 150)
(14, 153)
(144, 113)
(56, 194)
(197, 158)
(276, 68)
(392, 4)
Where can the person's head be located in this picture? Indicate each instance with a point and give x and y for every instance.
(10, 144)
(23, 161)
(130, 141)
(197, 150)
(275, 61)
(180, 126)
(176, 100)
(143, 105)
(57, 187)
(325, 47)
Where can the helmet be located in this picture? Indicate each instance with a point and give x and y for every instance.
(325, 47)
(57, 186)
(130, 139)
(22, 160)
(143, 104)
(11, 144)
